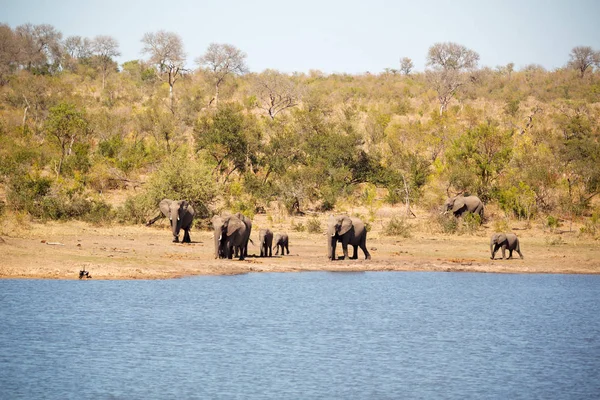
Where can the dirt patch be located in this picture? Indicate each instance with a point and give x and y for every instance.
(61, 250)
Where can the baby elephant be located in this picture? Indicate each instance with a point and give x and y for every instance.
(506, 241)
(281, 240)
(265, 236)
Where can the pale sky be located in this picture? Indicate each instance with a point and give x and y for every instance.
(337, 36)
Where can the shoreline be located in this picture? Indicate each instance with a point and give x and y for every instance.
(61, 250)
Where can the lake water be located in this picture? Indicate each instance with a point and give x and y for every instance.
(303, 336)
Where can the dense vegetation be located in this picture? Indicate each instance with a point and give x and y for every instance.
(75, 125)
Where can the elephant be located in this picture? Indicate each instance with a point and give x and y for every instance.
(461, 204)
(230, 234)
(506, 241)
(248, 222)
(180, 214)
(347, 230)
(281, 240)
(265, 237)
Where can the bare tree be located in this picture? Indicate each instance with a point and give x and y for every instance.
(105, 48)
(449, 61)
(9, 53)
(166, 53)
(40, 45)
(583, 57)
(221, 60)
(406, 65)
(275, 92)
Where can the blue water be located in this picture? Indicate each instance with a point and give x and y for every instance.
(303, 336)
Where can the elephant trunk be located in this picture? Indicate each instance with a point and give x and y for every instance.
(492, 249)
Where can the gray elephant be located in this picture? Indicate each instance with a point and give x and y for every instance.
(506, 241)
(248, 222)
(282, 240)
(348, 231)
(230, 235)
(265, 237)
(180, 214)
(461, 204)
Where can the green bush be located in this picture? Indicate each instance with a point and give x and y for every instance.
(447, 223)
(299, 227)
(471, 222)
(398, 226)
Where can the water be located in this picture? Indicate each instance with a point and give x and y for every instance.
(303, 336)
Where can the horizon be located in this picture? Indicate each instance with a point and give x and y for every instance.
(333, 37)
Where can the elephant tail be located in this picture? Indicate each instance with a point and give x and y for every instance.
(251, 241)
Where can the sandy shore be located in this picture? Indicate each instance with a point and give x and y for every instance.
(61, 250)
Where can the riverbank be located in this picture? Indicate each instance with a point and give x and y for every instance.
(60, 250)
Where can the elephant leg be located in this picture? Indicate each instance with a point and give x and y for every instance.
(287, 248)
(277, 250)
(355, 253)
(504, 252)
(333, 245)
(270, 252)
(186, 236)
(363, 247)
(175, 239)
(519, 251)
(510, 254)
(345, 249)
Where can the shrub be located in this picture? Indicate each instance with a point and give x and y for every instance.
(552, 223)
(398, 226)
(299, 227)
(591, 227)
(447, 223)
(313, 225)
(471, 222)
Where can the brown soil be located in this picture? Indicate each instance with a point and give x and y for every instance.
(61, 250)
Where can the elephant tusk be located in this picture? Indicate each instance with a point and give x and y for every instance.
(178, 218)
(220, 237)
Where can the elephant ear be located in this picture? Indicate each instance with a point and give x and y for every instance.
(459, 203)
(165, 206)
(346, 225)
(234, 225)
(501, 238)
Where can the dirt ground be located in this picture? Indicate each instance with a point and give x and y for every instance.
(60, 250)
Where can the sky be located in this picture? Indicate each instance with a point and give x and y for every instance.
(337, 36)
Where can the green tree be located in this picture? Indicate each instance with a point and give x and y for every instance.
(65, 126)
(477, 157)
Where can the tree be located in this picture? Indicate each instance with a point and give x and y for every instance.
(9, 53)
(275, 92)
(64, 126)
(222, 60)
(40, 47)
(477, 158)
(105, 48)
(166, 53)
(583, 57)
(406, 65)
(449, 61)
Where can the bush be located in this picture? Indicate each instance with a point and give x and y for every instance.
(447, 223)
(313, 225)
(299, 227)
(590, 228)
(552, 223)
(398, 226)
(471, 222)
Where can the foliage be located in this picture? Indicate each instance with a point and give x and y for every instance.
(313, 225)
(398, 226)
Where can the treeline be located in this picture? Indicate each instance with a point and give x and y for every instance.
(75, 125)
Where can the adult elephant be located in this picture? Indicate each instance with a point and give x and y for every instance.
(505, 241)
(248, 222)
(230, 234)
(348, 231)
(462, 204)
(180, 214)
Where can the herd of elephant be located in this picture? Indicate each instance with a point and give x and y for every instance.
(232, 232)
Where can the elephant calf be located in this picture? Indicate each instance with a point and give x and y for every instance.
(265, 237)
(281, 240)
(506, 241)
